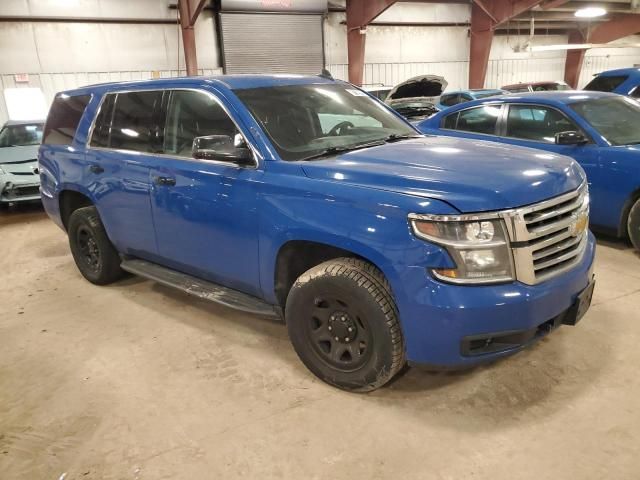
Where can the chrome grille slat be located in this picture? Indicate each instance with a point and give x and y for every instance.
(542, 216)
(539, 244)
(558, 247)
(566, 256)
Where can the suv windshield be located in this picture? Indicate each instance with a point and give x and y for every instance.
(615, 118)
(306, 121)
(21, 135)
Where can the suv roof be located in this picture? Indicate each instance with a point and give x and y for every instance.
(619, 71)
(233, 82)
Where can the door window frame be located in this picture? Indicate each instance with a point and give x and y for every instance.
(162, 118)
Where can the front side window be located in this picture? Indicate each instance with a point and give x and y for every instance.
(536, 123)
(193, 114)
(134, 124)
(64, 117)
(21, 135)
(479, 119)
(616, 118)
(606, 83)
(303, 121)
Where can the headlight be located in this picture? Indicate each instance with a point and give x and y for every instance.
(479, 247)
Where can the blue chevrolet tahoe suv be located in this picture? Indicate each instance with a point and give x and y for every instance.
(306, 198)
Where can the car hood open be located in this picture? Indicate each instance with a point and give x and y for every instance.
(471, 175)
(426, 87)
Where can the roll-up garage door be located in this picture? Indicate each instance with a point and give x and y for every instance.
(272, 43)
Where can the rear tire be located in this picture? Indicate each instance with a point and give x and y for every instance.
(633, 224)
(343, 323)
(94, 254)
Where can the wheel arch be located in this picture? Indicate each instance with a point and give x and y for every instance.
(70, 200)
(629, 202)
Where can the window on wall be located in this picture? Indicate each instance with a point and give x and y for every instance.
(479, 120)
(193, 114)
(63, 119)
(537, 123)
(134, 125)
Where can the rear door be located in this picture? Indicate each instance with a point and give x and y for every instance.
(124, 142)
(205, 212)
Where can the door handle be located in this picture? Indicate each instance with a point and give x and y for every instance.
(96, 169)
(166, 181)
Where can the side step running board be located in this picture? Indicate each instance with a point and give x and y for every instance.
(199, 288)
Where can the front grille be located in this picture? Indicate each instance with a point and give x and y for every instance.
(18, 192)
(549, 237)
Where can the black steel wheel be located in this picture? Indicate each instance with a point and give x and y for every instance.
(93, 252)
(343, 323)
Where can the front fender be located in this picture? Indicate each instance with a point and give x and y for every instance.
(370, 223)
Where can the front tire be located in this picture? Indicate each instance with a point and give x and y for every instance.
(343, 323)
(633, 224)
(94, 254)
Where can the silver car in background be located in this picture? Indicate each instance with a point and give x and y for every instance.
(19, 176)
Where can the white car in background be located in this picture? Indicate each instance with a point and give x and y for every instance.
(19, 176)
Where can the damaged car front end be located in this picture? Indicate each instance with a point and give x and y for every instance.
(19, 175)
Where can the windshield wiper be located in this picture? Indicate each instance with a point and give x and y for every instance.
(394, 137)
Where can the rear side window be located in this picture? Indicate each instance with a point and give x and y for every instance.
(605, 84)
(63, 119)
(479, 120)
(134, 124)
(102, 126)
(450, 121)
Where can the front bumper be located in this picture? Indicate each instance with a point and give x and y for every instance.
(440, 320)
(15, 189)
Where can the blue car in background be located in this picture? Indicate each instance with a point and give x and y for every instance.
(625, 81)
(450, 99)
(599, 130)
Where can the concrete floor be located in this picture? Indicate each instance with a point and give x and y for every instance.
(136, 381)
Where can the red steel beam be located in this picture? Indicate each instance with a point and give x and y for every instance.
(360, 13)
(549, 4)
(195, 8)
(573, 63)
(486, 15)
(188, 38)
(620, 26)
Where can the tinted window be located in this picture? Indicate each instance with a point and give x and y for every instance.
(190, 115)
(543, 87)
(64, 118)
(605, 84)
(636, 92)
(449, 100)
(479, 120)
(20, 135)
(134, 125)
(450, 121)
(102, 126)
(616, 118)
(536, 123)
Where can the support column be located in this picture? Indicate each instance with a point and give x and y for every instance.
(573, 63)
(360, 13)
(188, 15)
(481, 38)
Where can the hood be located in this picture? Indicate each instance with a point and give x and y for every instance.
(423, 86)
(471, 175)
(18, 154)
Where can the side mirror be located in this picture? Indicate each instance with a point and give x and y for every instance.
(222, 148)
(570, 138)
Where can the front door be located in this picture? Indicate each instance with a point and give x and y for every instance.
(205, 212)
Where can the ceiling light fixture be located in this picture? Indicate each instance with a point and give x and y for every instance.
(590, 12)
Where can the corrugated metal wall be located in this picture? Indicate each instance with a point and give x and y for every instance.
(51, 83)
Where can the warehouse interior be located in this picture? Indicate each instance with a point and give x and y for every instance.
(138, 380)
